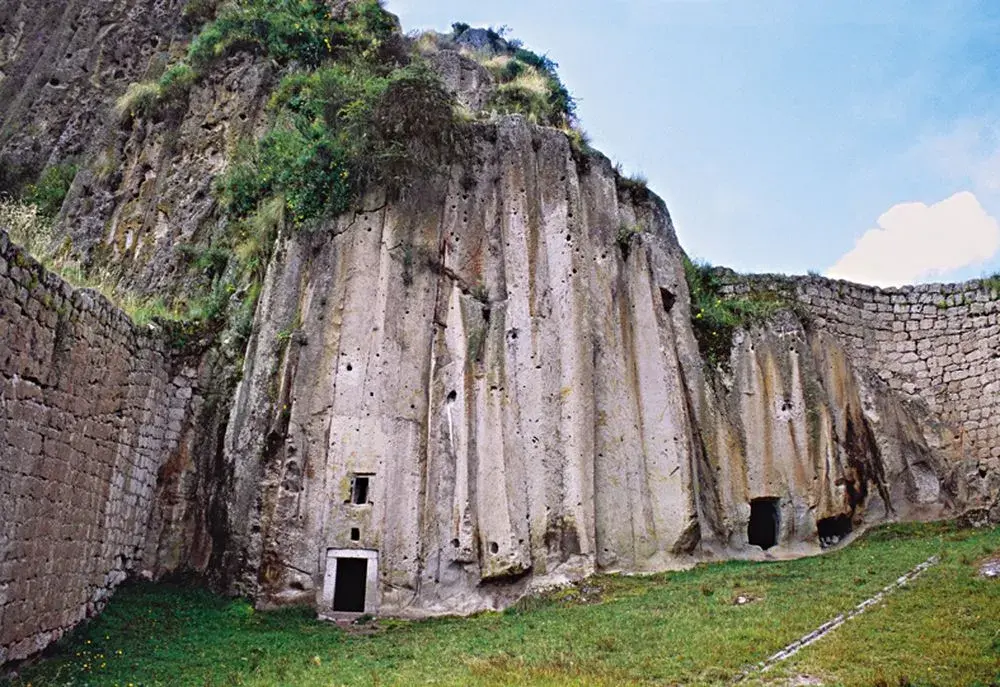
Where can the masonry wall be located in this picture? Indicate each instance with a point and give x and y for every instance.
(940, 342)
(89, 410)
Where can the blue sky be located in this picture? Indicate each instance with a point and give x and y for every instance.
(780, 133)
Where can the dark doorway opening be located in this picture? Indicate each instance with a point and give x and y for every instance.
(350, 584)
(832, 530)
(762, 530)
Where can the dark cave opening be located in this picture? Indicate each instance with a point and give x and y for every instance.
(762, 529)
(832, 530)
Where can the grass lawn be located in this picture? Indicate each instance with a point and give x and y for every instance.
(673, 628)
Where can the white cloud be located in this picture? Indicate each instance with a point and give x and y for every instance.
(916, 242)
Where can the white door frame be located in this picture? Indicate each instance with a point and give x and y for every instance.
(330, 580)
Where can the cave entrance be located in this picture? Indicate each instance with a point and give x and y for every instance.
(350, 586)
(765, 520)
(832, 530)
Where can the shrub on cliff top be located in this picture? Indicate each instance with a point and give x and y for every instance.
(352, 114)
(303, 31)
(632, 186)
(529, 84)
(49, 192)
(716, 317)
(338, 129)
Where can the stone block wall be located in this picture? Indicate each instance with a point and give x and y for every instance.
(89, 410)
(940, 342)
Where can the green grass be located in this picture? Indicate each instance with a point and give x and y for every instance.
(680, 627)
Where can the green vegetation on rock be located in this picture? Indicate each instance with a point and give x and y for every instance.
(338, 129)
(633, 187)
(673, 628)
(716, 317)
(526, 83)
(352, 108)
(355, 107)
(49, 192)
(530, 85)
(992, 285)
(26, 225)
(304, 32)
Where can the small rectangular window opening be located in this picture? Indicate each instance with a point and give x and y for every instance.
(359, 489)
(355, 534)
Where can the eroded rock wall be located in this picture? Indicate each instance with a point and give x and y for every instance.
(62, 64)
(503, 367)
(502, 355)
(505, 354)
(795, 422)
(935, 345)
(90, 409)
(147, 189)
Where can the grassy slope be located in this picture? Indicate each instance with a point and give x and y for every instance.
(672, 628)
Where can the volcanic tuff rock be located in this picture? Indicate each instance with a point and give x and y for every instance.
(526, 394)
(62, 64)
(484, 383)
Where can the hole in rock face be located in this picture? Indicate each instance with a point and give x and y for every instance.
(668, 299)
(455, 543)
(355, 534)
(359, 489)
(765, 517)
(494, 547)
(349, 589)
(452, 396)
(832, 530)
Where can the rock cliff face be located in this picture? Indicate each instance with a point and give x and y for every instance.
(522, 394)
(937, 344)
(485, 354)
(62, 64)
(485, 383)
